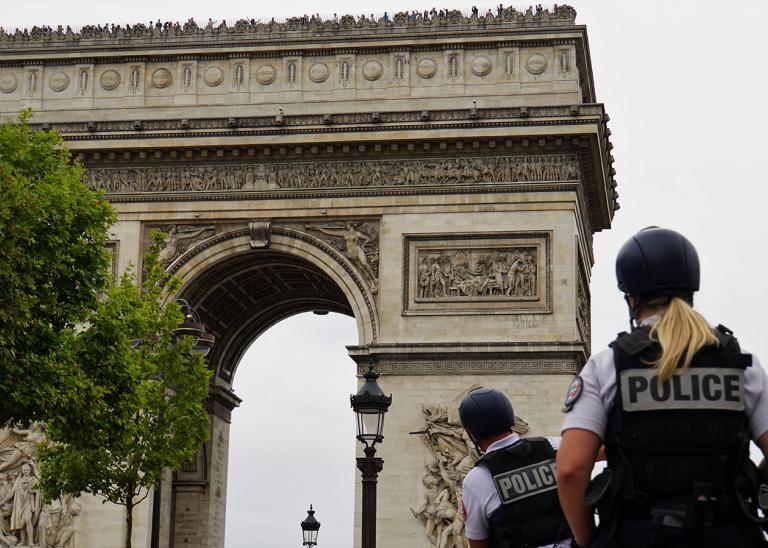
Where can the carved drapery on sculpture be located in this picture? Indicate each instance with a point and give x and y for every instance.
(24, 519)
(488, 272)
(358, 241)
(337, 174)
(451, 454)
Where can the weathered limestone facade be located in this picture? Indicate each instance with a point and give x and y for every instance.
(440, 180)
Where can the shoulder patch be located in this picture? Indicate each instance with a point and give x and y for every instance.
(574, 393)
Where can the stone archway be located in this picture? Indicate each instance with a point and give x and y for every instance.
(241, 289)
(440, 180)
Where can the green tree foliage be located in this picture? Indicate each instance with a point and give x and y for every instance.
(147, 413)
(53, 264)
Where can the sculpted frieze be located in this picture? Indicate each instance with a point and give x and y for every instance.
(358, 241)
(337, 174)
(476, 272)
(457, 273)
(450, 455)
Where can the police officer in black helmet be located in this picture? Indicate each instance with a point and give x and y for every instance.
(510, 497)
(676, 403)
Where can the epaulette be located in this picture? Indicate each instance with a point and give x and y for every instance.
(633, 343)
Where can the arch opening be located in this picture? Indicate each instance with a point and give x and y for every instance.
(242, 296)
(292, 440)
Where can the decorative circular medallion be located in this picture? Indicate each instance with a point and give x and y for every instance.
(162, 78)
(213, 76)
(426, 68)
(58, 81)
(536, 64)
(8, 83)
(319, 72)
(372, 70)
(481, 66)
(109, 79)
(266, 74)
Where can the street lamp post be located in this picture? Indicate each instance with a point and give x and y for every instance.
(193, 327)
(370, 405)
(309, 528)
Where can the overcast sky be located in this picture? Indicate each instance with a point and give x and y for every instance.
(685, 84)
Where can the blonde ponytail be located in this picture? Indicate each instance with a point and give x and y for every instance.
(680, 331)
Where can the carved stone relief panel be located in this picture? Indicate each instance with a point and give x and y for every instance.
(358, 241)
(180, 238)
(337, 174)
(53, 524)
(450, 456)
(476, 273)
(583, 305)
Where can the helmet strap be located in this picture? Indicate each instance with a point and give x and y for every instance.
(632, 310)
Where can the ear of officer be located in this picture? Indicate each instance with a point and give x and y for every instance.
(676, 403)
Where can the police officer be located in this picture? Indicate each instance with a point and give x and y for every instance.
(510, 497)
(676, 404)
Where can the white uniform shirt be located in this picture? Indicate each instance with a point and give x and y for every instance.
(590, 411)
(480, 498)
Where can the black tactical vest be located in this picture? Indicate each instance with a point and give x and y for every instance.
(683, 439)
(530, 514)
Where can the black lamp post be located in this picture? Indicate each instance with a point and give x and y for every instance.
(309, 528)
(193, 327)
(370, 405)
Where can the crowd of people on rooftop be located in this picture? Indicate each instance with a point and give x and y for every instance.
(315, 21)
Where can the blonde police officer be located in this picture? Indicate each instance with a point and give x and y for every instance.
(676, 403)
(510, 497)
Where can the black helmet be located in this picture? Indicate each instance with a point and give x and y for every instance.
(658, 262)
(485, 412)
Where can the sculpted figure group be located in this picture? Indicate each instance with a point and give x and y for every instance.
(24, 519)
(342, 174)
(468, 273)
(451, 454)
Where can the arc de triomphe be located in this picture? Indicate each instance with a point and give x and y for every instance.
(436, 176)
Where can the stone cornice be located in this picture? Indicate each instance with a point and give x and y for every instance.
(327, 123)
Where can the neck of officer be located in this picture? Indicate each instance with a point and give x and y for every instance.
(484, 443)
(646, 311)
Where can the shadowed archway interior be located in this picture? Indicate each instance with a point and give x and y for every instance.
(241, 297)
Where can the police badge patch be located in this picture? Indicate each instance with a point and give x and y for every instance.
(574, 392)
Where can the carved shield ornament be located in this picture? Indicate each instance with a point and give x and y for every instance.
(213, 76)
(162, 78)
(319, 73)
(8, 83)
(109, 79)
(481, 66)
(58, 82)
(372, 70)
(536, 64)
(266, 74)
(426, 68)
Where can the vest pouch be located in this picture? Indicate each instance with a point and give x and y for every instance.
(598, 488)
